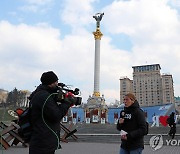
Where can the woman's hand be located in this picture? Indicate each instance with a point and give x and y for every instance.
(123, 137)
(121, 120)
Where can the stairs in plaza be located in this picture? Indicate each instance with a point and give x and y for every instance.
(107, 133)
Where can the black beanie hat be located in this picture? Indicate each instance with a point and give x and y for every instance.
(48, 78)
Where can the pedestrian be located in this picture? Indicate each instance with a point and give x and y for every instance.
(132, 126)
(46, 115)
(172, 125)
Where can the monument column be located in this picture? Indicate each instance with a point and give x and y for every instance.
(97, 37)
(96, 103)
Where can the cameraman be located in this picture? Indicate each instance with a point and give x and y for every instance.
(46, 115)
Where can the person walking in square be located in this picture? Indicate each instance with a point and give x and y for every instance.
(172, 125)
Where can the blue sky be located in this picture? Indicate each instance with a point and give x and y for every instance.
(42, 35)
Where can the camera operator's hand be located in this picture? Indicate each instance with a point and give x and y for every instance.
(59, 96)
(69, 98)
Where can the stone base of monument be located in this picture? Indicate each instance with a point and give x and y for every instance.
(96, 110)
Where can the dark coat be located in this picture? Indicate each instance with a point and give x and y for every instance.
(135, 125)
(46, 128)
(171, 119)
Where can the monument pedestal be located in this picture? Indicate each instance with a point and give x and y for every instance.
(96, 109)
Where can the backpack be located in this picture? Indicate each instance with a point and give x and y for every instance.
(25, 125)
(147, 124)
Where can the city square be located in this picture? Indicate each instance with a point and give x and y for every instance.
(109, 76)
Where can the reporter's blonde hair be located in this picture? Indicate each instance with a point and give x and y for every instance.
(131, 96)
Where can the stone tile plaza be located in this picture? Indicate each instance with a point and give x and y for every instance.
(91, 140)
(95, 148)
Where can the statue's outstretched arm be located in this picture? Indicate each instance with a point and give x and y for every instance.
(95, 17)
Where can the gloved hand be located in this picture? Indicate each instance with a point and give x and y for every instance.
(59, 96)
(69, 98)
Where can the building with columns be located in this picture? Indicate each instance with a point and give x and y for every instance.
(149, 86)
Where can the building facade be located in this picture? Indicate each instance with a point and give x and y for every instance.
(125, 87)
(149, 86)
(167, 88)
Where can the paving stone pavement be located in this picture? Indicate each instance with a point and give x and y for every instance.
(94, 148)
(105, 139)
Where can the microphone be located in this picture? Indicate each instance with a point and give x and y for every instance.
(122, 115)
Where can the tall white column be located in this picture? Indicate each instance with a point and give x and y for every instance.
(97, 66)
(97, 36)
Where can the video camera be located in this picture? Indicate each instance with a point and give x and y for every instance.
(64, 91)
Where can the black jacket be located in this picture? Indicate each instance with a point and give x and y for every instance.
(135, 125)
(46, 131)
(171, 119)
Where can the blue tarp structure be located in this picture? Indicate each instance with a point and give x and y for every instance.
(159, 110)
(151, 111)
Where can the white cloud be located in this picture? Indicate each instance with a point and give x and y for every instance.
(77, 12)
(153, 27)
(34, 49)
(145, 16)
(27, 51)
